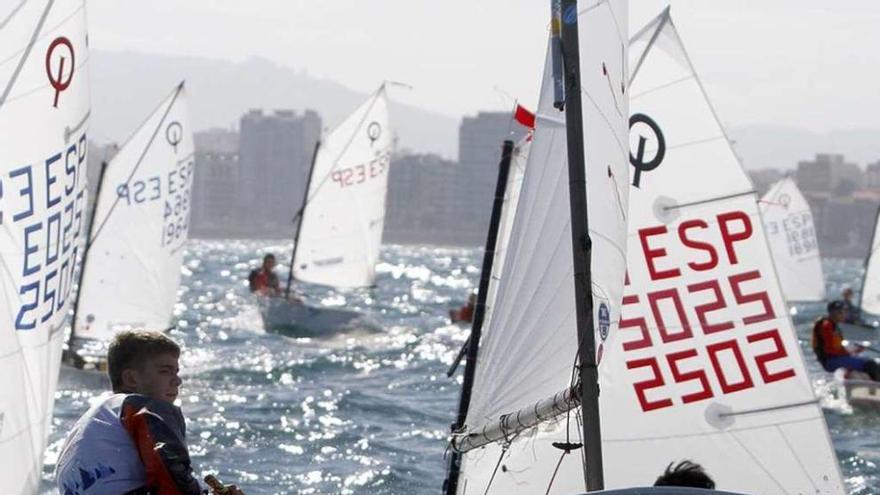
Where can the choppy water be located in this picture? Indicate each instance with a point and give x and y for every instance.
(362, 412)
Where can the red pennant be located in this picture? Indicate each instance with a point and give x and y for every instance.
(524, 117)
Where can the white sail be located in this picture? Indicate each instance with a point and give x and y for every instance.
(530, 344)
(341, 230)
(44, 110)
(508, 211)
(870, 295)
(707, 365)
(788, 223)
(132, 268)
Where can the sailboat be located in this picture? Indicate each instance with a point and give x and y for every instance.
(705, 364)
(869, 296)
(132, 261)
(564, 265)
(340, 223)
(788, 224)
(44, 117)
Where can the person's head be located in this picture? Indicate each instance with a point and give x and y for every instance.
(269, 262)
(687, 474)
(144, 362)
(836, 311)
(847, 293)
(472, 299)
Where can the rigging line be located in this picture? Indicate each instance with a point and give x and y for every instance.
(770, 408)
(758, 463)
(497, 465)
(556, 470)
(797, 458)
(12, 14)
(27, 51)
(606, 119)
(662, 86)
(137, 165)
(664, 18)
(710, 200)
(47, 32)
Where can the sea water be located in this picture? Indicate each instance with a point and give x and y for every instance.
(361, 412)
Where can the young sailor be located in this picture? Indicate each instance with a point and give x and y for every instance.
(133, 442)
(852, 311)
(464, 314)
(828, 344)
(263, 280)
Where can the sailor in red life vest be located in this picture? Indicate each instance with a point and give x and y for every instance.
(133, 442)
(828, 344)
(263, 280)
(466, 312)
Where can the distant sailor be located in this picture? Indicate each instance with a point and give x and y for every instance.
(828, 344)
(134, 441)
(464, 314)
(263, 280)
(852, 311)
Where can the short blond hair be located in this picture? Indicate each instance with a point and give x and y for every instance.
(132, 348)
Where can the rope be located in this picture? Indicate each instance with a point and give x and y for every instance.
(497, 465)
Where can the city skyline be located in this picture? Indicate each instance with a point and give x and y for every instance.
(462, 56)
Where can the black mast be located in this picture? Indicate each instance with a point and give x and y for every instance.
(451, 482)
(82, 269)
(299, 220)
(588, 371)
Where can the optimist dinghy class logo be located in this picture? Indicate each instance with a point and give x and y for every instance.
(604, 321)
(174, 134)
(644, 127)
(374, 131)
(58, 50)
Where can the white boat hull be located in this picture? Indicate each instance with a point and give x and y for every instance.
(297, 319)
(858, 333)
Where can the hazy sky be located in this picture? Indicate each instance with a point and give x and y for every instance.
(813, 64)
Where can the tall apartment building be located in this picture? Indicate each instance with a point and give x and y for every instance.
(872, 176)
(275, 152)
(479, 151)
(829, 173)
(422, 200)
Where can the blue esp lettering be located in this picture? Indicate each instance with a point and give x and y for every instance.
(51, 240)
(26, 191)
(49, 295)
(51, 179)
(70, 169)
(20, 324)
(30, 249)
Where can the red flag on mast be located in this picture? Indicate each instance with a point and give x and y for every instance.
(524, 117)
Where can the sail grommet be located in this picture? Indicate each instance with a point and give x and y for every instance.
(719, 416)
(665, 209)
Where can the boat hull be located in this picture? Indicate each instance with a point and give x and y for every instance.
(858, 333)
(296, 319)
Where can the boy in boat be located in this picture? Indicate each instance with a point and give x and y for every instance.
(852, 312)
(133, 442)
(828, 344)
(263, 280)
(687, 474)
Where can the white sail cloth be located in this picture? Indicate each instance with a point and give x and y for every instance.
(132, 268)
(508, 211)
(788, 223)
(870, 296)
(530, 343)
(341, 229)
(707, 365)
(44, 110)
